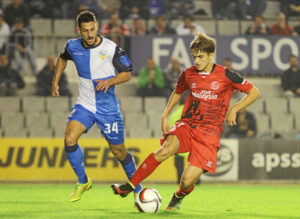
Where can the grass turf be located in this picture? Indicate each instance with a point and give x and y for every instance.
(206, 201)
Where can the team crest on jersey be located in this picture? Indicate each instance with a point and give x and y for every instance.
(193, 85)
(214, 85)
(102, 54)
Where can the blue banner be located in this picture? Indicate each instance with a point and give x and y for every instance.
(250, 54)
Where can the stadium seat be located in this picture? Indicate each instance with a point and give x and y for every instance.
(64, 27)
(156, 104)
(154, 120)
(38, 132)
(60, 43)
(44, 46)
(10, 104)
(228, 27)
(297, 121)
(175, 22)
(269, 90)
(136, 132)
(294, 105)
(276, 105)
(41, 26)
(245, 25)
(258, 106)
(57, 104)
(58, 123)
(205, 5)
(37, 119)
(33, 104)
(131, 104)
(272, 9)
(157, 132)
(136, 120)
(12, 121)
(15, 133)
(281, 122)
(210, 26)
(262, 123)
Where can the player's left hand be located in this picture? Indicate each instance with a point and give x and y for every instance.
(231, 117)
(103, 85)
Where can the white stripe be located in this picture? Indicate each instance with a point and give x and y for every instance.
(87, 96)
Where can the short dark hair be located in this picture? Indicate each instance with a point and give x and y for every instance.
(85, 17)
(293, 56)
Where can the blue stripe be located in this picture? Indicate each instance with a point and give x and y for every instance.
(106, 103)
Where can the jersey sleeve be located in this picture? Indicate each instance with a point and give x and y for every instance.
(181, 85)
(65, 54)
(237, 81)
(121, 61)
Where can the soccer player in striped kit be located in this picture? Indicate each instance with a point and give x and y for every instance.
(96, 59)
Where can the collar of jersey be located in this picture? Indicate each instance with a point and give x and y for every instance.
(91, 47)
(207, 73)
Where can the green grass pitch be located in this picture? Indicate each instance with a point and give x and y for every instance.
(206, 201)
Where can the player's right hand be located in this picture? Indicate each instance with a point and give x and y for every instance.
(54, 91)
(164, 125)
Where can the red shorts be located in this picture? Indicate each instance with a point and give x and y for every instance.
(203, 145)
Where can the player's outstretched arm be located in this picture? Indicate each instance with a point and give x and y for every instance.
(118, 79)
(59, 68)
(173, 101)
(251, 96)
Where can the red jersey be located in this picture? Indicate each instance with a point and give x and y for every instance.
(209, 96)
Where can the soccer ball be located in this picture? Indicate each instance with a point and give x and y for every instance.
(148, 200)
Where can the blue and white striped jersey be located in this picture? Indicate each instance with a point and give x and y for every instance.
(100, 62)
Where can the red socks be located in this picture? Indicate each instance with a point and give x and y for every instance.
(181, 193)
(144, 170)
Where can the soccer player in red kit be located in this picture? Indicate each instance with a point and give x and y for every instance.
(199, 130)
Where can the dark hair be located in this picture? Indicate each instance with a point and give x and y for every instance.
(85, 17)
(293, 56)
(203, 43)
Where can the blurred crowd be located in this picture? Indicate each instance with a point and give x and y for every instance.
(16, 35)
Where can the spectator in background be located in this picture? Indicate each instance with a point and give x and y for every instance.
(180, 8)
(224, 9)
(134, 9)
(21, 46)
(290, 80)
(4, 34)
(151, 80)
(114, 27)
(189, 27)
(14, 10)
(259, 27)
(281, 27)
(248, 9)
(290, 8)
(245, 126)
(172, 75)
(109, 7)
(161, 27)
(138, 27)
(228, 63)
(10, 79)
(156, 7)
(44, 80)
(91, 5)
(37, 7)
(297, 27)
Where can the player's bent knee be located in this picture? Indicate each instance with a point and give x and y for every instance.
(186, 183)
(70, 139)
